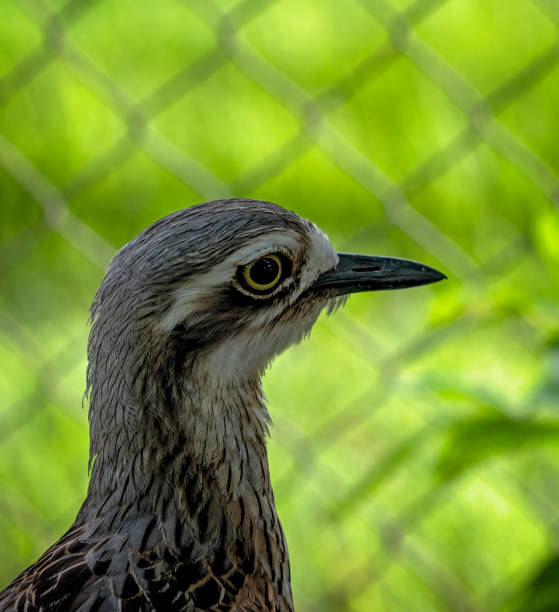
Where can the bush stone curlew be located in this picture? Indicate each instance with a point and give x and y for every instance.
(180, 512)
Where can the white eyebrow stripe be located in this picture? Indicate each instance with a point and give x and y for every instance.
(188, 298)
(185, 300)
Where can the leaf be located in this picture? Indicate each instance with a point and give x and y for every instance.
(546, 229)
(541, 593)
(477, 438)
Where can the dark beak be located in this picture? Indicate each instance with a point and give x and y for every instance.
(373, 273)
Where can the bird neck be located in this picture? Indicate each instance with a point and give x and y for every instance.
(191, 455)
(166, 438)
(182, 434)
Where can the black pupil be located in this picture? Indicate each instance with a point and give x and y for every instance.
(264, 271)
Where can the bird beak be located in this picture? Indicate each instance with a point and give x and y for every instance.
(373, 273)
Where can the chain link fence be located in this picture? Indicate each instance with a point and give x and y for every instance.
(427, 480)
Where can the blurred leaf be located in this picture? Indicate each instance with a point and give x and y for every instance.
(541, 593)
(548, 389)
(546, 230)
(378, 473)
(472, 440)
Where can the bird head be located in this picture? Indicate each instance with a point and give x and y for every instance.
(191, 312)
(233, 283)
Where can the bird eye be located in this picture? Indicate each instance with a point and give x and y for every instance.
(263, 274)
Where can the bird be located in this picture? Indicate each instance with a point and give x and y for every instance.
(180, 512)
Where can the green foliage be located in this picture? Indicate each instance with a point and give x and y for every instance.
(480, 437)
(541, 593)
(414, 453)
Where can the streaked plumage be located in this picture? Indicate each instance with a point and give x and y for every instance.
(180, 512)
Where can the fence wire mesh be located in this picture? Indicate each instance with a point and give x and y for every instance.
(413, 449)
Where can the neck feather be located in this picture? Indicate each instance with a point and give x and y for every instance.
(166, 442)
(173, 427)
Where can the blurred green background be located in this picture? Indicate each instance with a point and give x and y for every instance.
(414, 453)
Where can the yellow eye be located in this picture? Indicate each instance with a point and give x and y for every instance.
(263, 274)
